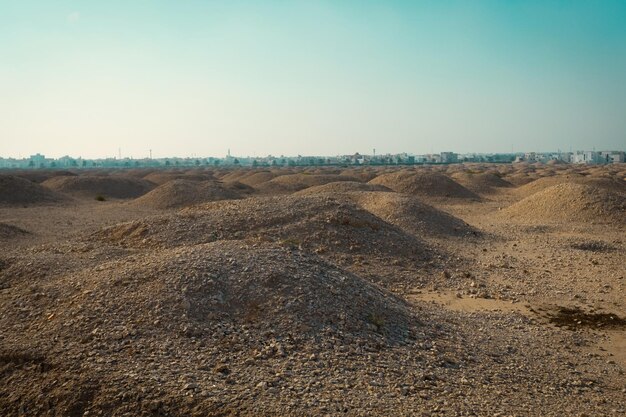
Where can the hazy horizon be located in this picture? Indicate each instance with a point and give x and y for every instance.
(85, 78)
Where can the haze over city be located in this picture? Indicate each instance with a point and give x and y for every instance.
(85, 78)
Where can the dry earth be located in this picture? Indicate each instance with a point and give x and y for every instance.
(469, 290)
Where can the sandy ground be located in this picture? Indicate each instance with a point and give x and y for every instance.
(499, 317)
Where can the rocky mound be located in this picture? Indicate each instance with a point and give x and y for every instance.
(161, 177)
(481, 183)
(239, 187)
(257, 177)
(519, 179)
(318, 224)
(265, 286)
(543, 183)
(413, 216)
(425, 184)
(545, 172)
(234, 174)
(134, 172)
(39, 176)
(145, 332)
(342, 187)
(16, 191)
(286, 184)
(181, 193)
(223, 285)
(106, 186)
(363, 175)
(8, 231)
(570, 202)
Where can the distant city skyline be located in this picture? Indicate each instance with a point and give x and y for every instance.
(86, 78)
(39, 161)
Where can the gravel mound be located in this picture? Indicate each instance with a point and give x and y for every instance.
(481, 183)
(15, 191)
(286, 184)
(257, 177)
(8, 231)
(182, 193)
(134, 172)
(570, 202)
(225, 284)
(423, 183)
(519, 179)
(540, 184)
(342, 187)
(39, 176)
(363, 175)
(234, 174)
(265, 286)
(106, 186)
(146, 331)
(318, 224)
(161, 177)
(239, 187)
(413, 216)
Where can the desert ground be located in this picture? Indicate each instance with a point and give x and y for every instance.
(456, 290)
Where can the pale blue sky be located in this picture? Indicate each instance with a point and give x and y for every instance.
(310, 77)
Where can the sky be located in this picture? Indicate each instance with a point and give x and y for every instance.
(197, 78)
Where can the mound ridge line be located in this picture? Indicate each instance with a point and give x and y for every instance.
(424, 184)
(181, 192)
(107, 186)
(570, 202)
(17, 191)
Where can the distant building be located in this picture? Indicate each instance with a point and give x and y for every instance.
(586, 157)
(530, 157)
(449, 157)
(565, 157)
(67, 161)
(356, 159)
(613, 157)
(37, 161)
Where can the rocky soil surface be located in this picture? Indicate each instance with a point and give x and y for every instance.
(345, 298)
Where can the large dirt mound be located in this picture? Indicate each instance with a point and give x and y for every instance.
(40, 176)
(257, 177)
(148, 329)
(181, 193)
(481, 183)
(413, 216)
(106, 186)
(313, 223)
(570, 202)
(222, 285)
(291, 183)
(425, 184)
(134, 172)
(234, 174)
(520, 179)
(264, 285)
(540, 184)
(363, 175)
(15, 191)
(239, 187)
(161, 177)
(342, 187)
